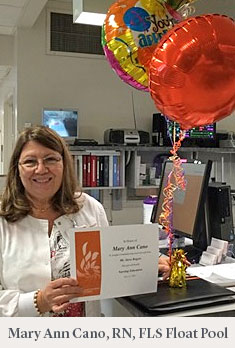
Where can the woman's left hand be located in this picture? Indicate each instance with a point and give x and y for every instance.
(164, 266)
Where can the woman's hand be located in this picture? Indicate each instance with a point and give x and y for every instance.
(164, 266)
(57, 294)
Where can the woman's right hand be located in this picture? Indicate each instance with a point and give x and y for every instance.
(57, 294)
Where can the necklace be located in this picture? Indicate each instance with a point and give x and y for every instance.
(42, 209)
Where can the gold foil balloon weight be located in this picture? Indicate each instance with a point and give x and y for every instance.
(178, 269)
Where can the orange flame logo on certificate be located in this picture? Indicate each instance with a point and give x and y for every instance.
(88, 262)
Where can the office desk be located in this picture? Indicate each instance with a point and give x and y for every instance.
(121, 307)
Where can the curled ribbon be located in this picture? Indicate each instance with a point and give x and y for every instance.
(176, 180)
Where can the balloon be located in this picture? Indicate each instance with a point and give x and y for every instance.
(175, 4)
(192, 71)
(183, 7)
(131, 32)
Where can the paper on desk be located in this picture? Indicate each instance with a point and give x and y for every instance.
(222, 274)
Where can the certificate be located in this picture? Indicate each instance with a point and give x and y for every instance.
(115, 261)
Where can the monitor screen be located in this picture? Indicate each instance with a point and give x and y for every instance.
(188, 204)
(63, 121)
(202, 136)
(201, 132)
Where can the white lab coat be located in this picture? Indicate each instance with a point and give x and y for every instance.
(25, 264)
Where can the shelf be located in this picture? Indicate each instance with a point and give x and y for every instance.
(132, 155)
(103, 188)
(97, 169)
(147, 187)
(149, 148)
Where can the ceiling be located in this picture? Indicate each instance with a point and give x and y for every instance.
(17, 13)
(22, 13)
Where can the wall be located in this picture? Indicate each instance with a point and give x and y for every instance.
(85, 83)
(8, 94)
(6, 52)
(225, 7)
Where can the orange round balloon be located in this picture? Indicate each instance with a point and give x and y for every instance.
(192, 71)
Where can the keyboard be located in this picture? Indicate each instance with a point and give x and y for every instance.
(193, 254)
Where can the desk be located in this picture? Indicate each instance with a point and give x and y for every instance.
(120, 307)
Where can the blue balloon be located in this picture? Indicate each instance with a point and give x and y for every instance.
(135, 19)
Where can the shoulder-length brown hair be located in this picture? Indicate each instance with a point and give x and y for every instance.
(14, 203)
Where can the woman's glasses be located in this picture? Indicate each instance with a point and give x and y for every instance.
(33, 163)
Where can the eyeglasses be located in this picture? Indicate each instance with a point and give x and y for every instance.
(33, 163)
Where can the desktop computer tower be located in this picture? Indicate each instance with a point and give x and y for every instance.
(159, 129)
(220, 214)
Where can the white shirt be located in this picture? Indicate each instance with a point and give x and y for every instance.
(25, 263)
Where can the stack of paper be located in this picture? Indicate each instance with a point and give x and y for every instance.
(223, 274)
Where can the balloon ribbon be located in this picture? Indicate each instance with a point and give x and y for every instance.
(175, 180)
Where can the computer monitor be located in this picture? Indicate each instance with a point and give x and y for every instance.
(189, 205)
(63, 121)
(202, 136)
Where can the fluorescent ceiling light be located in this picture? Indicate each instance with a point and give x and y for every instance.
(90, 11)
(91, 18)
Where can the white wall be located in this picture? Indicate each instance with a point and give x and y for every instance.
(8, 92)
(225, 7)
(85, 83)
(6, 52)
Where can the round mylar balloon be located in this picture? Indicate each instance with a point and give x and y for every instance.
(131, 32)
(192, 71)
(175, 4)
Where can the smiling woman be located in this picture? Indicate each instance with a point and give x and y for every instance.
(41, 173)
(41, 202)
(39, 205)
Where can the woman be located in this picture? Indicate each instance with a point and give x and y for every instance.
(39, 205)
